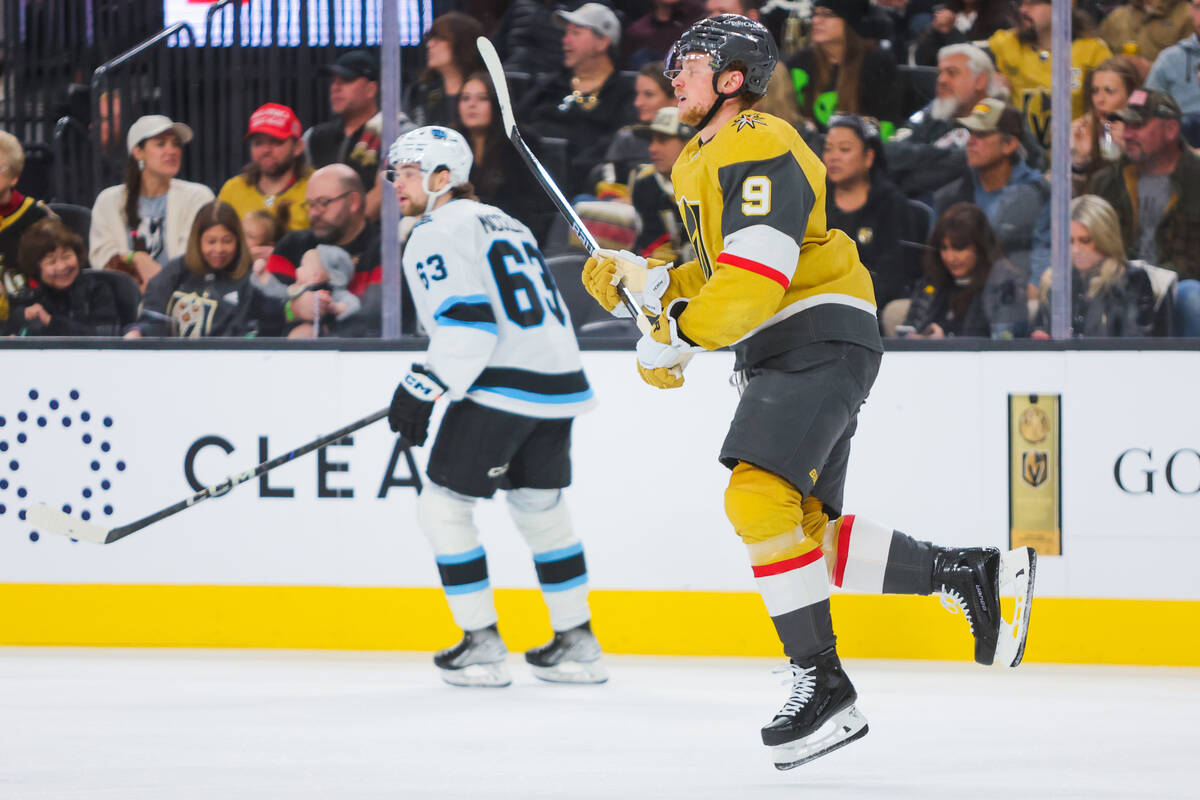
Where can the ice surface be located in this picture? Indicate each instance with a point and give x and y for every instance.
(130, 724)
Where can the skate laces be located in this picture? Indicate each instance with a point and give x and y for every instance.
(953, 601)
(803, 681)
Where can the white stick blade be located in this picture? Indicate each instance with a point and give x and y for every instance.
(54, 521)
(491, 60)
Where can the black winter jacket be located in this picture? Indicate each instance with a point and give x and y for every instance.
(87, 307)
(879, 228)
(1124, 309)
(998, 310)
(208, 305)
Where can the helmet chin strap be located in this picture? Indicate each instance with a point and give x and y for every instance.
(434, 194)
(720, 101)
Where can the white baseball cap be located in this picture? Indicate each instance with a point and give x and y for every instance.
(599, 18)
(152, 125)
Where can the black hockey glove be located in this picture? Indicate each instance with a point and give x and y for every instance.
(412, 404)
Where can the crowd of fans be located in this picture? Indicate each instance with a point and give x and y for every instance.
(948, 203)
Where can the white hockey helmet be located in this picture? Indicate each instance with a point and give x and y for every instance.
(432, 148)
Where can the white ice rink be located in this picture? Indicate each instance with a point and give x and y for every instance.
(167, 724)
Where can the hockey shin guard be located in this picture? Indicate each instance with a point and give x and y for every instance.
(869, 558)
(542, 518)
(447, 520)
(768, 514)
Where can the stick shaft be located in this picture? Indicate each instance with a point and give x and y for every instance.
(225, 486)
(495, 69)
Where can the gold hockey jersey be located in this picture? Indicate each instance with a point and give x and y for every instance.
(768, 271)
(1028, 70)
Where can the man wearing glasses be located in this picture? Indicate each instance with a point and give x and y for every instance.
(1175, 73)
(336, 216)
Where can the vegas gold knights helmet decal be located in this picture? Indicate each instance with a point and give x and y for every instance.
(689, 212)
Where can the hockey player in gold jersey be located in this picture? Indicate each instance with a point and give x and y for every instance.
(794, 302)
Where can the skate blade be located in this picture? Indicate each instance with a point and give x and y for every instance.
(848, 726)
(494, 675)
(1018, 568)
(572, 672)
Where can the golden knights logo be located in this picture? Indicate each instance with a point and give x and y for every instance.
(750, 120)
(1035, 467)
(689, 212)
(192, 313)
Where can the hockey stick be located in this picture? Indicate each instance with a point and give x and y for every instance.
(491, 60)
(55, 521)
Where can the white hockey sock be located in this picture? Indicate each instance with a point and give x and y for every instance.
(541, 517)
(447, 520)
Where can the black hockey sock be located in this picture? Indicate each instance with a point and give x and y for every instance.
(909, 568)
(805, 631)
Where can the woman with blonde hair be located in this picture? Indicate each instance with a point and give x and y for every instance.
(1109, 297)
(207, 291)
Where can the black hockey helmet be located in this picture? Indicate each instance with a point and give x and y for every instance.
(726, 39)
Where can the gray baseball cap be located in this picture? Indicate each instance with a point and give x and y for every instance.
(600, 18)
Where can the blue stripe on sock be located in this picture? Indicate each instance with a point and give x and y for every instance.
(559, 554)
(461, 558)
(467, 588)
(568, 584)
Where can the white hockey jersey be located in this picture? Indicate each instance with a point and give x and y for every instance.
(499, 331)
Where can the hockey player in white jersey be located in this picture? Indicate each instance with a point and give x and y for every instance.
(502, 350)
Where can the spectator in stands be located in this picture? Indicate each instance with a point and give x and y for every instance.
(207, 291)
(337, 216)
(1108, 296)
(929, 150)
(1155, 190)
(277, 175)
(1097, 138)
(450, 56)
(140, 224)
(1015, 198)
(354, 136)
(747, 8)
(500, 178)
(262, 229)
(866, 205)
(62, 298)
(962, 22)
(588, 101)
(1143, 28)
(649, 37)
(662, 235)
(628, 151)
(527, 40)
(969, 287)
(780, 101)
(1174, 73)
(844, 70)
(18, 213)
(1023, 57)
(325, 268)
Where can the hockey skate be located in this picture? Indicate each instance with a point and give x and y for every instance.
(478, 660)
(970, 580)
(818, 717)
(572, 656)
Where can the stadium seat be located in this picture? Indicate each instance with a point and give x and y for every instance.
(129, 297)
(77, 218)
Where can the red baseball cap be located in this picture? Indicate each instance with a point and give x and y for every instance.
(275, 120)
